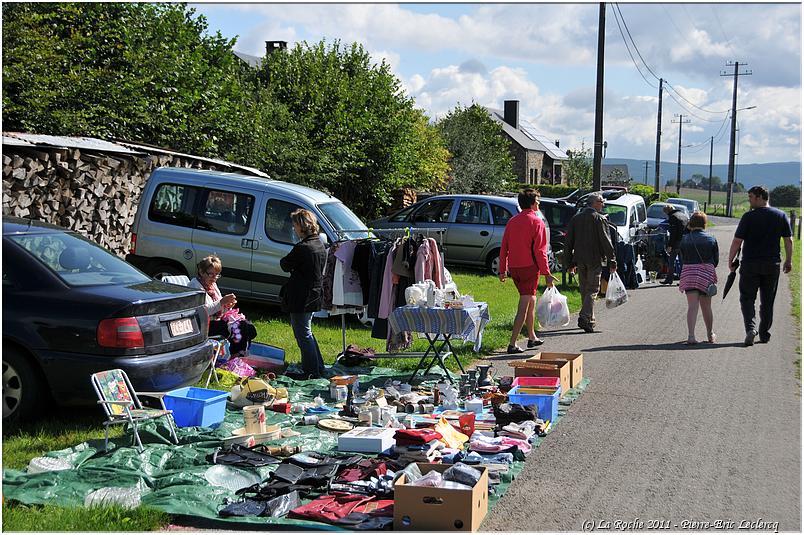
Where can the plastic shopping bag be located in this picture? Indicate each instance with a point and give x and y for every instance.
(552, 309)
(615, 293)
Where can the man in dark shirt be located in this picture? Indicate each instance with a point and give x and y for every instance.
(677, 220)
(758, 234)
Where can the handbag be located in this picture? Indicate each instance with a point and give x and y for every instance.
(711, 290)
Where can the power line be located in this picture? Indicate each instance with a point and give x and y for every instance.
(688, 110)
(723, 33)
(634, 43)
(629, 49)
(693, 104)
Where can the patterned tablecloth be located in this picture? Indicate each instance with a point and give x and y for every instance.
(465, 323)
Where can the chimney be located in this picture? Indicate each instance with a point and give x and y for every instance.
(511, 112)
(272, 46)
(557, 144)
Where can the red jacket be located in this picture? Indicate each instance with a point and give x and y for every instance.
(524, 243)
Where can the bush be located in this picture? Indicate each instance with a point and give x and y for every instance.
(664, 195)
(552, 191)
(787, 195)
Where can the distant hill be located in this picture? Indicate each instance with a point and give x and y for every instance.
(768, 174)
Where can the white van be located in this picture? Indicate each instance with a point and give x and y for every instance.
(187, 214)
(630, 215)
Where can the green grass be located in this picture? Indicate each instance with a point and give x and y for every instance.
(67, 427)
(49, 518)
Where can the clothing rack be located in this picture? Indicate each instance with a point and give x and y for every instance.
(406, 231)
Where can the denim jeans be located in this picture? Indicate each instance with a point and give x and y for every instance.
(762, 276)
(312, 362)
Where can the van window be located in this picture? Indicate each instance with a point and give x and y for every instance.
(642, 215)
(501, 215)
(342, 218)
(278, 226)
(174, 204)
(225, 211)
(473, 212)
(617, 214)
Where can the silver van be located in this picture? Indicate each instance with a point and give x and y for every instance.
(187, 214)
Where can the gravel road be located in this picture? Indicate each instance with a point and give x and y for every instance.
(666, 432)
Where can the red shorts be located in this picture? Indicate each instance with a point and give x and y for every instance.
(526, 279)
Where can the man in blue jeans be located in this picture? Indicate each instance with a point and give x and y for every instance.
(758, 234)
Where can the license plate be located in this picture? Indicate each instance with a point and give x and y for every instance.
(180, 327)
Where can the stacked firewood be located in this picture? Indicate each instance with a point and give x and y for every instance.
(95, 193)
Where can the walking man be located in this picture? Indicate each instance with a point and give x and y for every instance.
(523, 253)
(586, 248)
(678, 223)
(758, 234)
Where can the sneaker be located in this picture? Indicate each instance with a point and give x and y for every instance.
(515, 349)
(764, 338)
(535, 343)
(749, 338)
(587, 328)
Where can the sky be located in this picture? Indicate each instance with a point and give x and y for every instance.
(545, 56)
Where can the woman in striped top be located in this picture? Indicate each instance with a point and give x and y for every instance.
(699, 253)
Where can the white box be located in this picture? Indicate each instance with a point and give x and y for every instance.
(367, 439)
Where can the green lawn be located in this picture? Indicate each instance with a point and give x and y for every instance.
(795, 290)
(68, 427)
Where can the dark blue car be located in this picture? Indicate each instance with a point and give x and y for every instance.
(72, 308)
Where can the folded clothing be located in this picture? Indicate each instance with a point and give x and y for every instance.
(484, 444)
(462, 473)
(330, 508)
(505, 413)
(409, 437)
(522, 431)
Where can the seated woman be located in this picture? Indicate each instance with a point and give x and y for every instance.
(219, 308)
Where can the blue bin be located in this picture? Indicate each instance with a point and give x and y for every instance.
(546, 404)
(193, 406)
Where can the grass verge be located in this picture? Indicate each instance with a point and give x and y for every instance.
(795, 290)
(68, 427)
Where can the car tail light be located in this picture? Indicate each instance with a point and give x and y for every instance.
(133, 249)
(120, 332)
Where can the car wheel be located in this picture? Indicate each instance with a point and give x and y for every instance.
(21, 387)
(493, 262)
(165, 269)
(553, 261)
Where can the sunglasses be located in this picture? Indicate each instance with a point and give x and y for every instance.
(212, 275)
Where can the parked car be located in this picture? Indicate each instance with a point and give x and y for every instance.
(628, 213)
(187, 214)
(656, 213)
(474, 223)
(558, 214)
(71, 308)
(690, 204)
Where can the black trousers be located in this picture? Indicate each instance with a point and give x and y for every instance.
(762, 276)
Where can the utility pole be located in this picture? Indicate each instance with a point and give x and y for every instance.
(680, 121)
(658, 136)
(711, 146)
(730, 184)
(598, 151)
(646, 172)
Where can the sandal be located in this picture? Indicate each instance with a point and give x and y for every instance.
(712, 338)
(691, 342)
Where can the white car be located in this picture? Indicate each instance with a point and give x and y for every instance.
(628, 213)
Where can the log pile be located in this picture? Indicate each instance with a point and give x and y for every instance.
(401, 198)
(92, 192)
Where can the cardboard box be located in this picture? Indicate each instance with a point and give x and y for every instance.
(544, 368)
(435, 509)
(367, 439)
(576, 364)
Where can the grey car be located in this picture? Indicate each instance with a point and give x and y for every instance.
(690, 204)
(474, 223)
(656, 213)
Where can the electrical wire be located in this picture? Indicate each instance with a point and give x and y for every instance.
(634, 43)
(722, 31)
(629, 49)
(692, 103)
(689, 112)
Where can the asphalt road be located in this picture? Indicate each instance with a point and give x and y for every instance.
(667, 432)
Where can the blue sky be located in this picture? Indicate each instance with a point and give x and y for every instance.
(544, 55)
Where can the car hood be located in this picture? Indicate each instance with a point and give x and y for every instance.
(141, 298)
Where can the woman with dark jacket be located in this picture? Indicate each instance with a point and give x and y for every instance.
(699, 255)
(301, 295)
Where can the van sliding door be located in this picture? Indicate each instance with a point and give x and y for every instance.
(275, 238)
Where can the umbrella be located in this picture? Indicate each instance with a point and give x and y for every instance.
(731, 277)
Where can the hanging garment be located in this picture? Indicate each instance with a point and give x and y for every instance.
(349, 280)
(379, 254)
(328, 280)
(387, 292)
(361, 265)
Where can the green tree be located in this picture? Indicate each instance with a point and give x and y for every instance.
(141, 72)
(480, 160)
(787, 195)
(578, 167)
(356, 134)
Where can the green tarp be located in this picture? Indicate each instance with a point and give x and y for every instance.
(172, 478)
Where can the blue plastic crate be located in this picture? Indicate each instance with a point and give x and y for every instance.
(546, 404)
(194, 406)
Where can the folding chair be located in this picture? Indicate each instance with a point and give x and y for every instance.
(220, 347)
(122, 406)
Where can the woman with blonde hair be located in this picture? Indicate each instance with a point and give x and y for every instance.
(699, 254)
(302, 294)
